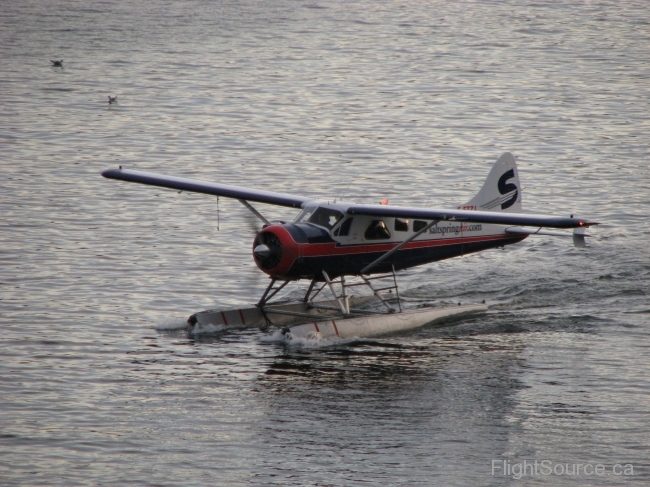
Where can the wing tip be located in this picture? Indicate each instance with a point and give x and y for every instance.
(586, 223)
(112, 173)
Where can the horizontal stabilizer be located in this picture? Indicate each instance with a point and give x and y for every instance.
(578, 234)
(539, 231)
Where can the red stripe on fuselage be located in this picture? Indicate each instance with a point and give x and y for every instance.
(335, 248)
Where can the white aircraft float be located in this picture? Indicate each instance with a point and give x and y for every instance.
(340, 245)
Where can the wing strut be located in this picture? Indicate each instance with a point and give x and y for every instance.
(392, 251)
(255, 212)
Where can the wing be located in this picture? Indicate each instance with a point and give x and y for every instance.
(496, 217)
(197, 186)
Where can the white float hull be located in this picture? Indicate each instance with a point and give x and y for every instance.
(379, 324)
(215, 320)
(310, 322)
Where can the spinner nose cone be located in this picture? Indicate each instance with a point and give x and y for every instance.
(261, 251)
(267, 249)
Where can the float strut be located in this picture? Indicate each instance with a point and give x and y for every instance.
(311, 286)
(271, 291)
(344, 303)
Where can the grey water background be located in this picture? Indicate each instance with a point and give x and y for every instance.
(411, 101)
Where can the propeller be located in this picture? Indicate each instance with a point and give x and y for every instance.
(253, 277)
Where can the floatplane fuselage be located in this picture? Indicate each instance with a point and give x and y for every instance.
(329, 237)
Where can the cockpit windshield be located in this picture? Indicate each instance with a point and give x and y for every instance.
(305, 214)
(325, 217)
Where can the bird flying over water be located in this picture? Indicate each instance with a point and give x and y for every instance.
(56, 63)
(112, 99)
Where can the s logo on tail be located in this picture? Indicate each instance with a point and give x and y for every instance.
(505, 188)
(501, 190)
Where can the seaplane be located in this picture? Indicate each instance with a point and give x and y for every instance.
(338, 246)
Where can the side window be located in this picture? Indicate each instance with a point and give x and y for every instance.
(401, 225)
(418, 225)
(344, 229)
(377, 230)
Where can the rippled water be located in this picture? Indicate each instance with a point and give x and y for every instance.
(412, 101)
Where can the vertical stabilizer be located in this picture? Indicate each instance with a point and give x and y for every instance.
(501, 190)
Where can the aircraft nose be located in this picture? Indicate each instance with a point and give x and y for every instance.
(275, 251)
(262, 251)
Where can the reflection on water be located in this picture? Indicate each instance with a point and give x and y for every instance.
(391, 410)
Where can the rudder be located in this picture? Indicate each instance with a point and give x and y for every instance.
(501, 190)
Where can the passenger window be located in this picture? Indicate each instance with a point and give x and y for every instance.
(325, 217)
(401, 225)
(344, 229)
(377, 230)
(418, 225)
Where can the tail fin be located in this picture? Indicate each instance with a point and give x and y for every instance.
(501, 190)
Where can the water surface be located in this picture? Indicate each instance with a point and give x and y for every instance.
(356, 100)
